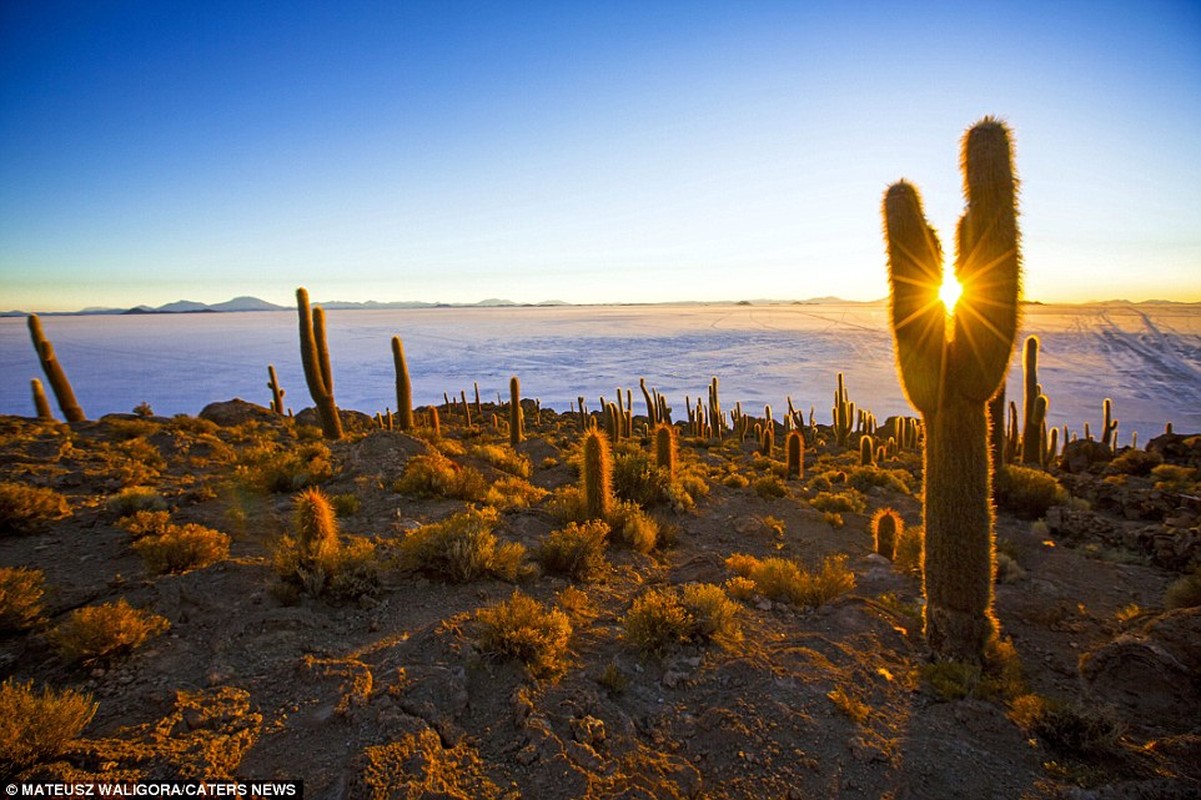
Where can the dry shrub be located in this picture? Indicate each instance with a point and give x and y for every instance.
(855, 709)
(419, 766)
(28, 509)
(663, 618)
(1134, 462)
(632, 527)
(770, 486)
(1028, 492)
(908, 558)
(182, 547)
(274, 470)
(1184, 592)
(133, 499)
(1067, 727)
(146, 523)
(349, 571)
(577, 550)
(848, 500)
(21, 591)
(524, 629)
(435, 475)
(786, 580)
(513, 492)
(105, 631)
(504, 459)
(37, 727)
(462, 548)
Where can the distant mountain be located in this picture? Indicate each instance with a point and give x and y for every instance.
(246, 304)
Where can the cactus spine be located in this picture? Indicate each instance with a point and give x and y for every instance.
(314, 355)
(39, 400)
(404, 388)
(886, 527)
(63, 392)
(597, 475)
(950, 367)
(794, 454)
(277, 393)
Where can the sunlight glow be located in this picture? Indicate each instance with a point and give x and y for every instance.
(949, 292)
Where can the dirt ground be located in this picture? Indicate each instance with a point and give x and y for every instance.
(391, 695)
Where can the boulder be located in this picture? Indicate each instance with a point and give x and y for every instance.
(1151, 675)
(232, 413)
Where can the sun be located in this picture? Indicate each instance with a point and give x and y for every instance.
(949, 292)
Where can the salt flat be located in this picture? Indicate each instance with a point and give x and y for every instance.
(1147, 358)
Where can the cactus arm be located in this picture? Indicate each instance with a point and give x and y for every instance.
(987, 262)
(314, 356)
(917, 315)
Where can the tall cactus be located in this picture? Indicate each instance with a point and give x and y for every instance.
(794, 454)
(665, 448)
(1109, 426)
(950, 366)
(844, 414)
(404, 388)
(63, 392)
(314, 355)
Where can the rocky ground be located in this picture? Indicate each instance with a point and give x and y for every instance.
(385, 690)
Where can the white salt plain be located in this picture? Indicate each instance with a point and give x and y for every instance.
(1147, 358)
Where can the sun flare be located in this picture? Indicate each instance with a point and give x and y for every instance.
(950, 292)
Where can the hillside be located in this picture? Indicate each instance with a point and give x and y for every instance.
(382, 675)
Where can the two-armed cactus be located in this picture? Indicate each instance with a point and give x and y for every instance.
(314, 355)
(951, 362)
(54, 373)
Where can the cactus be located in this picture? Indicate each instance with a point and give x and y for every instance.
(277, 393)
(403, 419)
(63, 392)
(715, 415)
(996, 429)
(596, 476)
(1031, 442)
(1109, 427)
(435, 422)
(516, 420)
(314, 355)
(844, 414)
(950, 366)
(665, 448)
(867, 451)
(40, 403)
(767, 439)
(887, 527)
(316, 527)
(794, 454)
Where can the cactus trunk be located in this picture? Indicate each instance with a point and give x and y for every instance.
(39, 400)
(959, 532)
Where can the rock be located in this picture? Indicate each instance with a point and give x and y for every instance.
(235, 412)
(1082, 454)
(1152, 675)
(352, 421)
(1176, 448)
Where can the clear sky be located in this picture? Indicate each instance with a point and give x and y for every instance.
(575, 150)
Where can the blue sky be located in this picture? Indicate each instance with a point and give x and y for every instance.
(581, 151)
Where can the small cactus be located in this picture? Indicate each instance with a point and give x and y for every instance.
(794, 454)
(665, 448)
(844, 414)
(277, 393)
(1032, 446)
(516, 420)
(867, 451)
(1109, 427)
(54, 373)
(887, 527)
(596, 475)
(316, 527)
